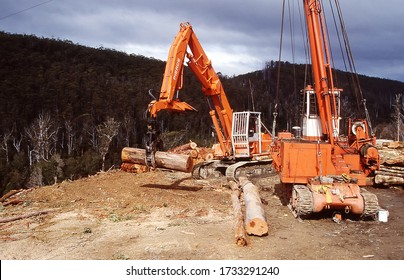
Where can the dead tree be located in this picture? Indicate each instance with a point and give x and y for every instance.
(42, 136)
(70, 137)
(17, 143)
(106, 132)
(127, 125)
(398, 115)
(93, 141)
(4, 143)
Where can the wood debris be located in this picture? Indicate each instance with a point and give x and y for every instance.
(25, 216)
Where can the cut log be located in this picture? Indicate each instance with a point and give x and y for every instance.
(193, 153)
(394, 145)
(387, 167)
(189, 146)
(255, 216)
(389, 173)
(134, 167)
(205, 153)
(166, 160)
(391, 157)
(209, 156)
(239, 229)
(389, 180)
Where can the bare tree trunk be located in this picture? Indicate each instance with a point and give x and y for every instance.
(397, 113)
(42, 135)
(106, 132)
(17, 143)
(70, 136)
(4, 144)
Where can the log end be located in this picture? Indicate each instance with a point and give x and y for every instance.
(257, 227)
(209, 156)
(193, 145)
(240, 241)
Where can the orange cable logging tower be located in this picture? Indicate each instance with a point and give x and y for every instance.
(325, 169)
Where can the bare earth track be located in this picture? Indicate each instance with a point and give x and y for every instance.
(169, 215)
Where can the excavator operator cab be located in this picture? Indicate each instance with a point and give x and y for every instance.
(247, 136)
(253, 128)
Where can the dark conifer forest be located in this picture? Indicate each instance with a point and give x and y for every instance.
(66, 111)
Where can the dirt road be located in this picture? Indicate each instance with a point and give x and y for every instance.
(169, 215)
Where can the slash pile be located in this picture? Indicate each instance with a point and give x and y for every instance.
(198, 154)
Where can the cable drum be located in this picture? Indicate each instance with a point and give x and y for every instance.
(356, 125)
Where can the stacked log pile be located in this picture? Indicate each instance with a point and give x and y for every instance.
(198, 154)
(391, 170)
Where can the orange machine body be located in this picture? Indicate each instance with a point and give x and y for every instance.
(325, 168)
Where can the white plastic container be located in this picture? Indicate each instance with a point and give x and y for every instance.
(383, 215)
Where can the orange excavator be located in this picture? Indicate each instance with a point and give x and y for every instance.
(244, 142)
(321, 168)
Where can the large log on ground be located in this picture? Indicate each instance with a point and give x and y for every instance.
(255, 216)
(166, 160)
(239, 229)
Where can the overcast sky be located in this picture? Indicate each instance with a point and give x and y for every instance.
(237, 35)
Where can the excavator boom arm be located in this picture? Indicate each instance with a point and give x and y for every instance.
(173, 76)
(202, 68)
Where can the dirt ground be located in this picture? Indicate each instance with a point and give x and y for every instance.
(168, 215)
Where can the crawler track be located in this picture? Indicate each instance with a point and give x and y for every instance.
(371, 205)
(301, 201)
(233, 170)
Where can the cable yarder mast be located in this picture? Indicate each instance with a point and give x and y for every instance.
(324, 169)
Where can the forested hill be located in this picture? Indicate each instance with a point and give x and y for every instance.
(60, 103)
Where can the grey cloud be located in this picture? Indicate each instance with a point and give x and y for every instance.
(238, 35)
